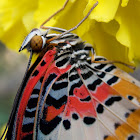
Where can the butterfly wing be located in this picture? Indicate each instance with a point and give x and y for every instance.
(25, 105)
(120, 81)
(85, 104)
(122, 102)
(94, 107)
(61, 101)
(52, 101)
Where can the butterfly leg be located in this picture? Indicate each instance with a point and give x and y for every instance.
(108, 61)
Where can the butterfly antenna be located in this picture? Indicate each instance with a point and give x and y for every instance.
(76, 25)
(80, 21)
(42, 25)
(16, 98)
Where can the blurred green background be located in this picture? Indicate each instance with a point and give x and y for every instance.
(12, 68)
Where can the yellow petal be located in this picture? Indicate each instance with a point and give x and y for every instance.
(28, 21)
(106, 45)
(105, 11)
(2, 130)
(70, 16)
(13, 15)
(46, 8)
(14, 37)
(129, 35)
(124, 3)
(111, 27)
(13, 10)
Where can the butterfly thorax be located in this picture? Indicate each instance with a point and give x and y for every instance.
(72, 50)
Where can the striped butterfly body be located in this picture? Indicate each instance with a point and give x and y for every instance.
(66, 96)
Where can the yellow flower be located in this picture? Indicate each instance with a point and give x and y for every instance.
(16, 20)
(112, 27)
(2, 129)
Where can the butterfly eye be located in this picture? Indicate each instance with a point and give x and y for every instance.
(37, 43)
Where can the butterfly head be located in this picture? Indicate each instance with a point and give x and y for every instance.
(35, 40)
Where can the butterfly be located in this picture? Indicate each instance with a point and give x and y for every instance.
(68, 94)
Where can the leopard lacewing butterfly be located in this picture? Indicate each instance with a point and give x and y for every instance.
(67, 94)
